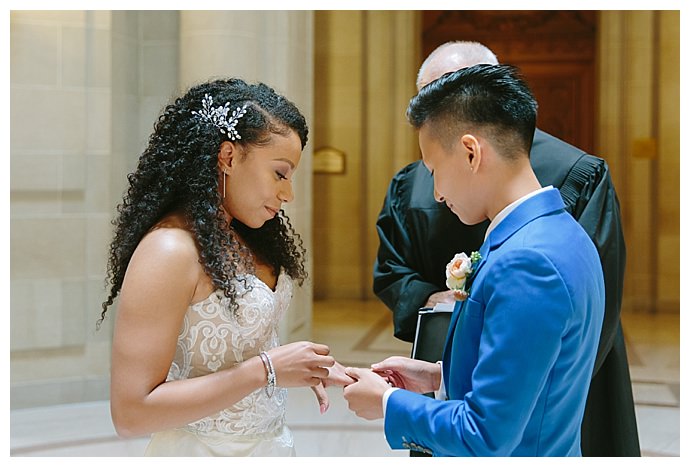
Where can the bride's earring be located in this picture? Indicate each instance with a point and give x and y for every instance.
(225, 174)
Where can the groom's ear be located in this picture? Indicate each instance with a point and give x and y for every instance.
(472, 151)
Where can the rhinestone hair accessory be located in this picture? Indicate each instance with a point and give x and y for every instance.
(218, 116)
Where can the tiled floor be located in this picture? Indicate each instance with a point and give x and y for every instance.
(360, 333)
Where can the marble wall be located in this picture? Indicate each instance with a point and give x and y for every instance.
(60, 203)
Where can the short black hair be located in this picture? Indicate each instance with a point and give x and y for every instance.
(492, 99)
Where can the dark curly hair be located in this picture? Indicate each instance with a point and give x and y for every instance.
(178, 171)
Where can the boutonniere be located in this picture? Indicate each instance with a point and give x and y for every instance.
(458, 271)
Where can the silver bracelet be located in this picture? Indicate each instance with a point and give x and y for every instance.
(270, 374)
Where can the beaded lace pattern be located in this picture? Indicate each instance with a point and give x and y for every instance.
(213, 337)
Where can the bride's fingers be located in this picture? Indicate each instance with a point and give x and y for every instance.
(321, 397)
(320, 373)
(321, 349)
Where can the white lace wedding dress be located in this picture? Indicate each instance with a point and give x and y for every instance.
(213, 338)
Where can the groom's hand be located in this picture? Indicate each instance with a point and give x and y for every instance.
(365, 396)
(414, 375)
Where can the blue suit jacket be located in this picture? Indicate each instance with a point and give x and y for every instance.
(520, 350)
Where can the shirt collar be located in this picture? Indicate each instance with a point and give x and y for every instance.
(508, 209)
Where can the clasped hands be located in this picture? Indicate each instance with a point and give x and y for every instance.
(363, 388)
(306, 363)
(365, 395)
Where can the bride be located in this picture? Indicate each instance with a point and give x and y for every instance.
(203, 260)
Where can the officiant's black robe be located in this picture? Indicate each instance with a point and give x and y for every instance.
(419, 236)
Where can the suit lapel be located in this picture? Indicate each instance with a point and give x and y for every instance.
(459, 305)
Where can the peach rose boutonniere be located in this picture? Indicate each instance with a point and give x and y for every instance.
(458, 271)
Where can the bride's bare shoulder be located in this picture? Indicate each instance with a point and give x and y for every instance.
(170, 237)
(164, 268)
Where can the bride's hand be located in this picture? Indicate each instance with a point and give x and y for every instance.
(337, 377)
(300, 364)
(321, 397)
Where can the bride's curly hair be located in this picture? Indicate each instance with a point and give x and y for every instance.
(178, 171)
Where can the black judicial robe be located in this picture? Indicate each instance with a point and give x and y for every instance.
(418, 237)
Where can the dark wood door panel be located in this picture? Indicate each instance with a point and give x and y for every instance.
(566, 103)
(555, 50)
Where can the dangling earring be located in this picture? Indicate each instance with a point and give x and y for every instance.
(224, 175)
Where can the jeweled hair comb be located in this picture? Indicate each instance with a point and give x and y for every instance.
(218, 116)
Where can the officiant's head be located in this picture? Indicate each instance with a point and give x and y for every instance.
(475, 132)
(452, 56)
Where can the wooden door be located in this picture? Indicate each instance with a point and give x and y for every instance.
(555, 50)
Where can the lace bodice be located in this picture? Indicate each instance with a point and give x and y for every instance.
(213, 338)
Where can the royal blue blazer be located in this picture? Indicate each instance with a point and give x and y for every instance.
(520, 350)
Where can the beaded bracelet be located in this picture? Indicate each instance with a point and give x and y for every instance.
(270, 374)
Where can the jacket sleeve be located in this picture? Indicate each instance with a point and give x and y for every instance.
(396, 280)
(590, 196)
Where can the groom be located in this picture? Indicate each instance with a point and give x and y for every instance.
(520, 348)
